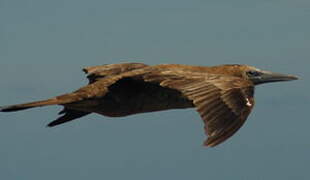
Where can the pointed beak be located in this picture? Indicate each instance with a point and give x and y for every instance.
(268, 77)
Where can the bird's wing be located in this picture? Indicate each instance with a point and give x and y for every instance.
(224, 107)
(101, 78)
(95, 73)
(223, 102)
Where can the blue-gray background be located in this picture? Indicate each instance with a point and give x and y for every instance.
(44, 44)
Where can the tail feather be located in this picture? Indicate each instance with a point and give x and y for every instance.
(58, 100)
(69, 114)
(18, 107)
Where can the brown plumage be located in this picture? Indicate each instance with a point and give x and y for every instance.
(223, 95)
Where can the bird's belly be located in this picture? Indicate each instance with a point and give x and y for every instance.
(116, 105)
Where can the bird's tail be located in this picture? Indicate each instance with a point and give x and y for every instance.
(59, 100)
(18, 107)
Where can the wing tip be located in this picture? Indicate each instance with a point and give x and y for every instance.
(51, 124)
(209, 143)
(7, 108)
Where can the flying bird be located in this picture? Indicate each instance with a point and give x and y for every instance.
(222, 95)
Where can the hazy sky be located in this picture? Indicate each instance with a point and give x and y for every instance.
(45, 44)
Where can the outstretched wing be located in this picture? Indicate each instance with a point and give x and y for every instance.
(100, 79)
(68, 115)
(223, 102)
(223, 105)
(95, 73)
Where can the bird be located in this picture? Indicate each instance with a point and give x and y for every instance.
(223, 95)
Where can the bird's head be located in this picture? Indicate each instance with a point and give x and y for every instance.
(256, 75)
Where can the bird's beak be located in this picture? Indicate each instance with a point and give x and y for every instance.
(267, 77)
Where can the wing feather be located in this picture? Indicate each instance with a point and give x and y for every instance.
(223, 102)
(94, 73)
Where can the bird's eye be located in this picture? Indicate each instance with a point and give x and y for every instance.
(253, 73)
